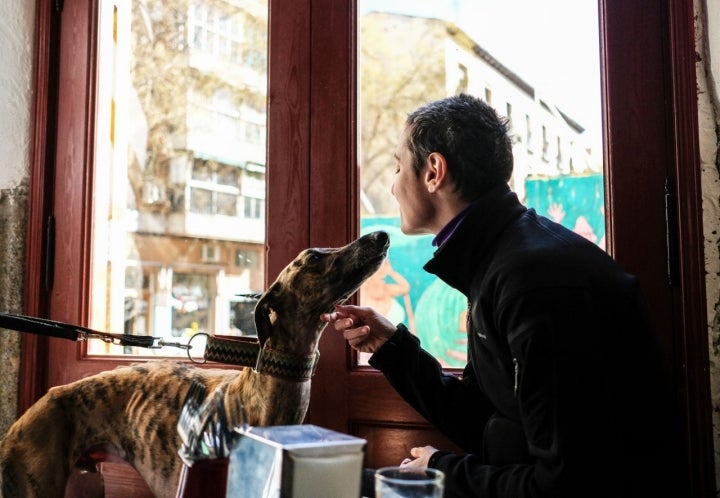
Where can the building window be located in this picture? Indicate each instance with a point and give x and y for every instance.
(559, 156)
(254, 208)
(214, 188)
(214, 32)
(254, 133)
(528, 134)
(462, 84)
(246, 258)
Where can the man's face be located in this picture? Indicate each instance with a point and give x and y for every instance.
(410, 190)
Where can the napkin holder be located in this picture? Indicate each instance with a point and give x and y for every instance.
(295, 461)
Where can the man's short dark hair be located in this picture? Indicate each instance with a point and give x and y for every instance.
(471, 136)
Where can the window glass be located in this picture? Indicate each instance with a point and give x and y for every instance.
(542, 74)
(179, 204)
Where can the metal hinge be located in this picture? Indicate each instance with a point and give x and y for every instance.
(671, 233)
(59, 5)
(49, 263)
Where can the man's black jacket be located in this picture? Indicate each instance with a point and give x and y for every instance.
(564, 393)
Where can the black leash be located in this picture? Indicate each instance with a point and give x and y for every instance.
(43, 326)
(241, 351)
(61, 330)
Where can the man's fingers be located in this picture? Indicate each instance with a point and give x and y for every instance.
(344, 319)
(356, 335)
(344, 308)
(334, 317)
(329, 317)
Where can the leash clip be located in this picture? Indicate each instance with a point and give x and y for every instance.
(159, 342)
(85, 334)
(200, 339)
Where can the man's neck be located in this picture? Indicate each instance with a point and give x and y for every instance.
(452, 223)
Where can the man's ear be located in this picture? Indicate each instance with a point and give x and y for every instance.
(436, 172)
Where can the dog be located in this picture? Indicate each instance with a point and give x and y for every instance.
(132, 412)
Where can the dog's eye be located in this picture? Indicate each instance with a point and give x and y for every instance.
(313, 257)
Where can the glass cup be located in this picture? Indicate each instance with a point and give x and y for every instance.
(409, 482)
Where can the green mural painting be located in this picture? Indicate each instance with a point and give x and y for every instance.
(576, 202)
(431, 309)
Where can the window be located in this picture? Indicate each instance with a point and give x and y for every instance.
(253, 208)
(245, 258)
(183, 176)
(214, 29)
(462, 85)
(214, 188)
(559, 156)
(491, 70)
(528, 135)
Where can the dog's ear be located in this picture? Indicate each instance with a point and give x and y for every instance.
(264, 306)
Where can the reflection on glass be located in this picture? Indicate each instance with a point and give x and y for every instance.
(179, 213)
(537, 63)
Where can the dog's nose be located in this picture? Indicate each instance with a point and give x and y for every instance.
(380, 237)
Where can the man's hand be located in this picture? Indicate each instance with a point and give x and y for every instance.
(364, 328)
(421, 457)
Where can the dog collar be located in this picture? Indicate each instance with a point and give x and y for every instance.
(246, 351)
(285, 365)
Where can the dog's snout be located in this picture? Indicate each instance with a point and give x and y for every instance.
(380, 238)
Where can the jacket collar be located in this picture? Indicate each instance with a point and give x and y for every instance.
(456, 260)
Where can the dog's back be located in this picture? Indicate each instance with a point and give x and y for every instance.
(131, 412)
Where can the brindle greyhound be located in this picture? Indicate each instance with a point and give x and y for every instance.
(133, 411)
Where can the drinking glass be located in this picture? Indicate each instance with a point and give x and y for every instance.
(409, 482)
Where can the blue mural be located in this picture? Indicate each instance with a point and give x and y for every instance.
(576, 202)
(431, 309)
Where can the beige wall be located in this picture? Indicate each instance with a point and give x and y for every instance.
(16, 43)
(17, 18)
(707, 43)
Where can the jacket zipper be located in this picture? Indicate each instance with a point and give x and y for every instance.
(516, 368)
(468, 322)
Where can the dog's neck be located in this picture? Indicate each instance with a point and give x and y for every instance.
(285, 365)
(283, 401)
(299, 336)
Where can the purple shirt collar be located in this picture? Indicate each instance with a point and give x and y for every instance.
(444, 234)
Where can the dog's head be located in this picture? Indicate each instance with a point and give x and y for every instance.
(314, 282)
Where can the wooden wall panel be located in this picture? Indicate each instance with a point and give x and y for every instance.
(333, 179)
(288, 160)
(650, 121)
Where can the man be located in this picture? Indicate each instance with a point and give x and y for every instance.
(563, 394)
